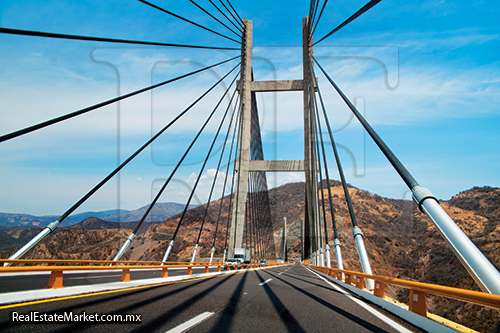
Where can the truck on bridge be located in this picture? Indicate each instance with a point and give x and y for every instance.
(243, 254)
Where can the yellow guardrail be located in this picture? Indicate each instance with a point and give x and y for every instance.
(417, 289)
(56, 267)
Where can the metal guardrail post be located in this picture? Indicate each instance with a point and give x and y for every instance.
(379, 290)
(470, 296)
(125, 275)
(417, 303)
(55, 280)
(360, 282)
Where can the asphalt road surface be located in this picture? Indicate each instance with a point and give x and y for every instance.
(282, 299)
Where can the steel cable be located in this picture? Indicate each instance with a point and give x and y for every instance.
(309, 18)
(217, 171)
(311, 21)
(215, 18)
(321, 182)
(241, 21)
(395, 162)
(225, 178)
(99, 105)
(103, 39)
(230, 13)
(337, 159)
(227, 18)
(319, 18)
(197, 180)
(186, 20)
(186, 152)
(232, 199)
(131, 157)
(354, 16)
(52, 226)
(327, 176)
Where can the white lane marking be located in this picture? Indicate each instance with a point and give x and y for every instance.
(93, 277)
(190, 323)
(378, 314)
(263, 283)
(284, 271)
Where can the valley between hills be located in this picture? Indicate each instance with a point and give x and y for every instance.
(400, 240)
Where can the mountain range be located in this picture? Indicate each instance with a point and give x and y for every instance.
(400, 240)
(160, 212)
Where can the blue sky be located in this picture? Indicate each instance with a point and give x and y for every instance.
(425, 74)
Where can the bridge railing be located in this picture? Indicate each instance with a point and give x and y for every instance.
(98, 262)
(417, 289)
(57, 267)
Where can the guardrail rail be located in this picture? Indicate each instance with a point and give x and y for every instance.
(57, 267)
(417, 289)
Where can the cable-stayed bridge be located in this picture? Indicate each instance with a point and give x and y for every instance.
(261, 293)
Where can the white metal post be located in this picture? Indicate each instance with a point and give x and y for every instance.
(327, 254)
(194, 252)
(170, 245)
(212, 254)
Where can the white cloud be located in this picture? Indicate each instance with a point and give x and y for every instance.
(192, 178)
(40, 85)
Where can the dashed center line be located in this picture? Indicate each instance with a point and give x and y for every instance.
(284, 271)
(190, 323)
(263, 283)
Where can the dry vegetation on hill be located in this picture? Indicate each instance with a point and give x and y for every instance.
(401, 241)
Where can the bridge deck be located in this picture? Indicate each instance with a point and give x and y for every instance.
(283, 299)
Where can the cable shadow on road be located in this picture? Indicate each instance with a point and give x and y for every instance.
(286, 317)
(356, 319)
(226, 319)
(89, 305)
(301, 274)
(168, 316)
(310, 282)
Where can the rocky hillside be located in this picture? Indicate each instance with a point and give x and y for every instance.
(401, 241)
(17, 237)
